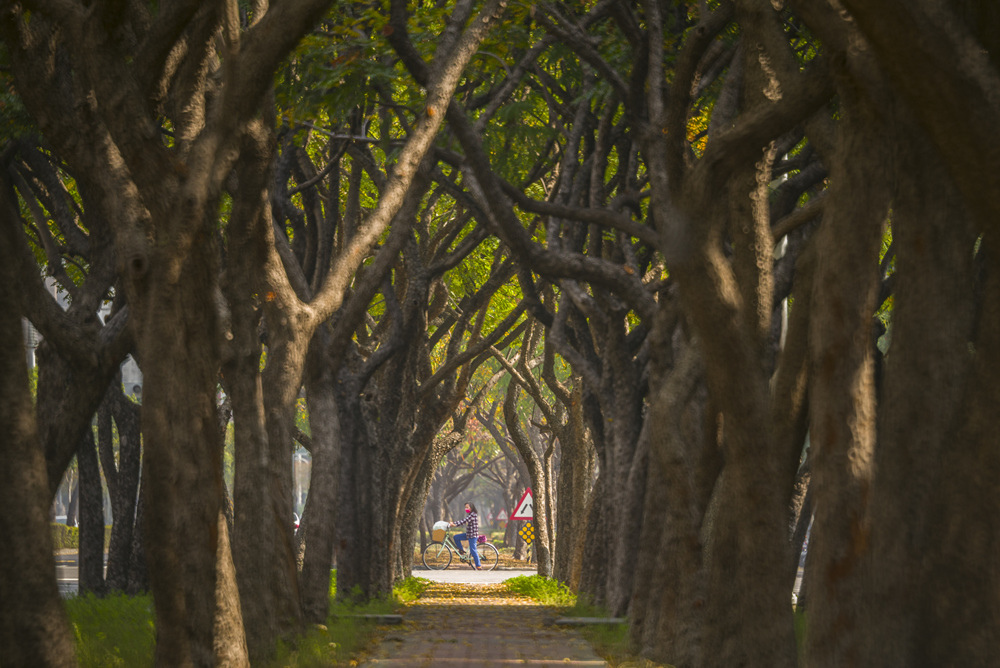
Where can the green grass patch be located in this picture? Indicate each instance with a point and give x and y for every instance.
(116, 630)
(410, 589)
(119, 630)
(544, 590)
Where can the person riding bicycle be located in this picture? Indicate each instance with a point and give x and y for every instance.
(471, 533)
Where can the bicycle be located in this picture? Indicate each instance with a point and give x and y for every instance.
(437, 555)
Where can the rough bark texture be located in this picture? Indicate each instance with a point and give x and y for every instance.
(321, 504)
(182, 467)
(91, 553)
(122, 477)
(926, 370)
(668, 600)
(960, 606)
(842, 390)
(230, 646)
(34, 628)
(573, 484)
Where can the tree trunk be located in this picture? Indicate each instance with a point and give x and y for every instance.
(91, 552)
(574, 484)
(668, 602)
(123, 480)
(138, 570)
(933, 321)
(961, 597)
(182, 467)
(319, 516)
(842, 389)
(68, 397)
(34, 628)
(230, 647)
(359, 525)
(539, 487)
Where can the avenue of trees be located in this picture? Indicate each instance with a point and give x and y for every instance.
(708, 273)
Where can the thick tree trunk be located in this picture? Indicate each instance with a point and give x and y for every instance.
(267, 605)
(842, 388)
(319, 516)
(91, 552)
(961, 597)
(574, 484)
(667, 610)
(927, 365)
(594, 575)
(250, 552)
(182, 467)
(281, 382)
(627, 462)
(34, 628)
(359, 527)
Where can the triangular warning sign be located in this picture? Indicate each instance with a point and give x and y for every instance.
(525, 507)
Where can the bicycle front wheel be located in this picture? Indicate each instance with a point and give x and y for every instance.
(489, 556)
(437, 556)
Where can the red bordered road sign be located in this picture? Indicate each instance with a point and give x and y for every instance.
(525, 507)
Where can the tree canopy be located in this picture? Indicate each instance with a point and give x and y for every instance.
(654, 250)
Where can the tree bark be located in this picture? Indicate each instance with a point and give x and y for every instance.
(91, 552)
(933, 321)
(842, 388)
(960, 602)
(574, 491)
(34, 627)
(182, 467)
(321, 504)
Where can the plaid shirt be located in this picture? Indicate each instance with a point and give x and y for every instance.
(472, 530)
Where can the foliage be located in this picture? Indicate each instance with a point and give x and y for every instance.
(116, 630)
(410, 589)
(68, 538)
(119, 630)
(542, 589)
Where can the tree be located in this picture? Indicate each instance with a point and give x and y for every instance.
(161, 198)
(34, 627)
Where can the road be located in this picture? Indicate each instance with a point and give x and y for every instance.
(465, 575)
(67, 572)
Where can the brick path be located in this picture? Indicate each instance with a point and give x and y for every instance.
(482, 625)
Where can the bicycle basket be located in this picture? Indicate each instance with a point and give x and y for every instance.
(439, 531)
(481, 539)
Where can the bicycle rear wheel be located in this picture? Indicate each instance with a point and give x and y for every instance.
(437, 556)
(489, 556)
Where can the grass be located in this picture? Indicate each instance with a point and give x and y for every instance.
(119, 630)
(543, 590)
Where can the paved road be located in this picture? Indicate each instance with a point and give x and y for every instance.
(465, 575)
(456, 624)
(67, 572)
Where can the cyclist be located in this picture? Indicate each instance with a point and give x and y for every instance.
(471, 533)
